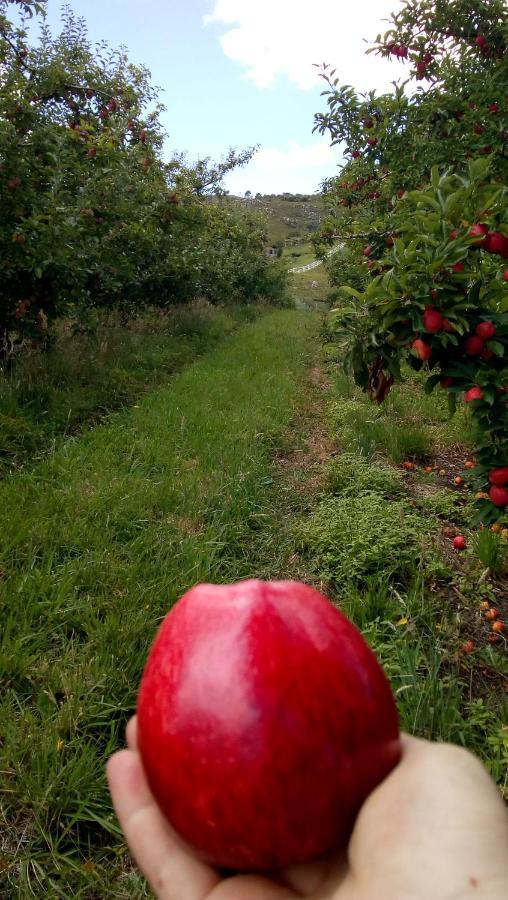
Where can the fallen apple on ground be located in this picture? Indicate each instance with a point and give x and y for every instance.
(265, 721)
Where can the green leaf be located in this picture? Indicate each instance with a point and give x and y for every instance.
(352, 292)
(420, 197)
(452, 404)
(496, 347)
(431, 382)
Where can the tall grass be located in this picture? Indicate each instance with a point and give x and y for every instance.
(87, 374)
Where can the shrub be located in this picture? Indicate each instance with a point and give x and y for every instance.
(350, 538)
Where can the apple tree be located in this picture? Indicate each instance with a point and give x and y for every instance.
(422, 201)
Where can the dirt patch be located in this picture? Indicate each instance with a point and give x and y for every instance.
(310, 432)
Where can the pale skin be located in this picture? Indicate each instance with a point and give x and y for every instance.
(435, 828)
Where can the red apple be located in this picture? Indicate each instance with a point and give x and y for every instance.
(481, 41)
(499, 495)
(446, 382)
(474, 393)
(474, 345)
(486, 330)
(496, 242)
(372, 142)
(499, 476)
(355, 154)
(493, 108)
(479, 231)
(505, 275)
(478, 129)
(422, 350)
(432, 320)
(265, 721)
(459, 542)
(367, 251)
(458, 267)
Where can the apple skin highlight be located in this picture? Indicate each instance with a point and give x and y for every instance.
(265, 721)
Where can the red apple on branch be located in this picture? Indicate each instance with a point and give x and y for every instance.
(499, 495)
(486, 330)
(474, 393)
(422, 350)
(265, 721)
(499, 476)
(432, 320)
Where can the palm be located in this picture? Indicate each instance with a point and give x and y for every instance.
(409, 842)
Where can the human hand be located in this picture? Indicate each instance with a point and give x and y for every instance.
(436, 827)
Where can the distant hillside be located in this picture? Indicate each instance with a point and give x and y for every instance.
(288, 215)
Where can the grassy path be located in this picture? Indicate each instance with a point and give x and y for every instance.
(243, 465)
(97, 542)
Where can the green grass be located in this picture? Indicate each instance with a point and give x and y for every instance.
(300, 255)
(373, 538)
(85, 376)
(203, 480)
(409, 425)
(98, 541)
(310, 289)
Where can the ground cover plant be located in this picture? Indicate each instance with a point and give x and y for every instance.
(378, 534)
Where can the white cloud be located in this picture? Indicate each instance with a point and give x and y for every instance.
(273, 39)
(296, 169)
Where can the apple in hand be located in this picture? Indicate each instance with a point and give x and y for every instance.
(265, 721)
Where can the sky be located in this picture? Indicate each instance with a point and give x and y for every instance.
(239, 73)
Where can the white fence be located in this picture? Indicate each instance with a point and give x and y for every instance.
(317, 262)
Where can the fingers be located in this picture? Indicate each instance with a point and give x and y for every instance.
(439, 804)
(172, 871)
(320, 877)
(131, 733)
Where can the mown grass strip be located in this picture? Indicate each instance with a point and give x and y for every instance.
(46, 396)
(97, 542)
